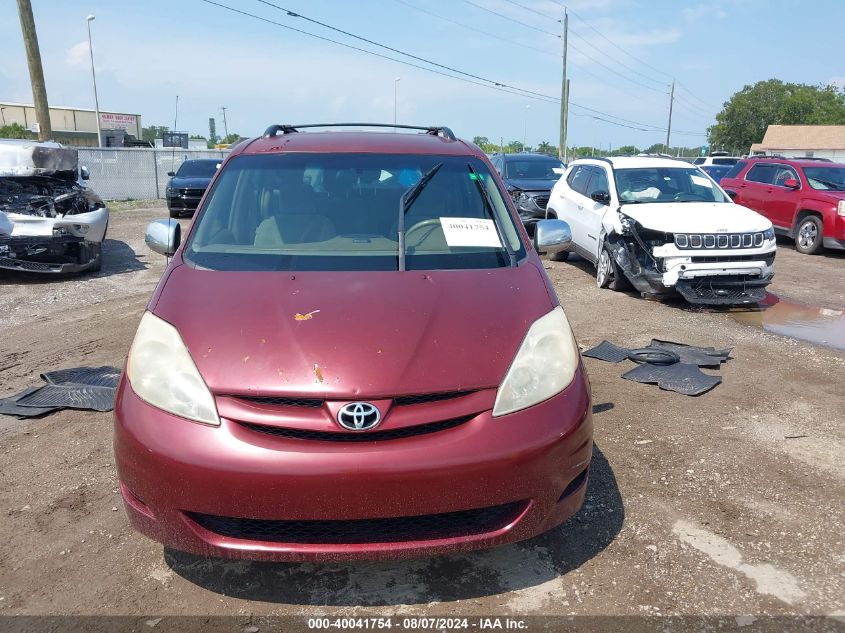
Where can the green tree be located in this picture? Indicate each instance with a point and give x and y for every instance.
(153, 132)
(746, 115)
(16, 130)
(628, 149)
(484, 143)
(546, 148)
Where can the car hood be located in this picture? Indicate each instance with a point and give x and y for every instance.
(190, 182)
(352, 334)
(696, 217)
(530, 185)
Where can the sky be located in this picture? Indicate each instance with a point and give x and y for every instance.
(623, 55)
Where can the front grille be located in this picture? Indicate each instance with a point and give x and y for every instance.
(401, 401)
(769, 258)
(314, 403)
(427, 527)
(719, 240)
(310, 403)
(542, 200)
(358, 436)
(6, 262)
(196, 193)
(727, 290)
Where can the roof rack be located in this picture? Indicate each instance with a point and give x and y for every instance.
(434, 130)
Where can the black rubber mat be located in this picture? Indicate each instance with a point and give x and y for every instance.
(690, 354)
(607, 351)
(681, 377)
(10, 406)
(701, 356)
(71, 396)
(94, 376)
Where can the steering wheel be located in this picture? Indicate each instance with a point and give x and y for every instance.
(681, 195)
(430, 223)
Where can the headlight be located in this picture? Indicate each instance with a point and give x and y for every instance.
(163, 373)
(769, 234)
(515, 194)
(840, 208)
(544, 365)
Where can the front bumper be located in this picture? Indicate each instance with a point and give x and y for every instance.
(53, 255)
(182, 202)
(186, 485)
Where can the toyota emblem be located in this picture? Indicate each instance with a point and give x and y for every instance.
(358, 416)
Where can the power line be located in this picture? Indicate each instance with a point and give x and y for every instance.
(544, 98)
(510, 19)
(618, 61)
(540, 13)
(612, 70)
(293, 14)
(521, 92)
(476, 29)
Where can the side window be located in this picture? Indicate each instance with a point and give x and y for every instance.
(762, 173)
(783, 174)
(698, 161)
(733, 172)
(579, 178)
(497, 164)
(598, 182)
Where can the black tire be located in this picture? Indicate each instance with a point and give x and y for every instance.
(97, 266)
(808, 235)
(174, 214)
(562, 256)
(608, 273)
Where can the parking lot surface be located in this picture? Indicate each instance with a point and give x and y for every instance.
(729, 503)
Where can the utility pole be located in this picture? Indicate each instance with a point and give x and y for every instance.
(566, 119)
(564, 93)
(671, 103)
(225, 125)
(36, 73)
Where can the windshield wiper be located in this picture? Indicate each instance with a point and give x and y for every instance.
(489, 204)
(405, 202)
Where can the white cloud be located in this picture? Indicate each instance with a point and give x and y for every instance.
(77, 56)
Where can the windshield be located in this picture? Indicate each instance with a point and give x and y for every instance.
(826, 177)
(340, 212)
(532, 168)
(666, 184)
(197, 168)
(716, 172)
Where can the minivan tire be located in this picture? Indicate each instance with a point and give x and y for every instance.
(808, 235)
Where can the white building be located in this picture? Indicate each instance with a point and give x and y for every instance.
(803, 141)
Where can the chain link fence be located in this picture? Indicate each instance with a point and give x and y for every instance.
(135, 173)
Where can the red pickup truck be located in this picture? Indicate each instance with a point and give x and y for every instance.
(803, 198)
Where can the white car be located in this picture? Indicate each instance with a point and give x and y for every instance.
(663, 225)
(49, 221)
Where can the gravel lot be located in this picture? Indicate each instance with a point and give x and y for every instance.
(729, 503)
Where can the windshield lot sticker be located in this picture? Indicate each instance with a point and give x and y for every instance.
(470, 232)
(701, 181)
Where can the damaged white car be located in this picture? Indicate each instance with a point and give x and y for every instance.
(49, 221)
(663, 226)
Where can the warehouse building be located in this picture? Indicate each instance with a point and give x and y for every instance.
(76, 126)
(803, 141)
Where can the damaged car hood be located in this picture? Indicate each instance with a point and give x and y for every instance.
(696, 217)
(29, 158)
(274, 333)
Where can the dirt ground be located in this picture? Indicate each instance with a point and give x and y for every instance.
(730, 503)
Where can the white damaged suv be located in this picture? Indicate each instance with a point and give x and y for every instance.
(662, 226)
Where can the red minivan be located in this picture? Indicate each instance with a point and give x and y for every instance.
(355, 352)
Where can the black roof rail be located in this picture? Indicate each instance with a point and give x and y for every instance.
(434, 130)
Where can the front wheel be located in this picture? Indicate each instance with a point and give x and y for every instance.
(808, 237)
(608, 273)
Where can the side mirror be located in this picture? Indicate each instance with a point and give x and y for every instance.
(791, 183)
(163, 236)
(731, 194)
(552, 236)
(560, 171)
(602, 197)
(84, 173)
(171, 173)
